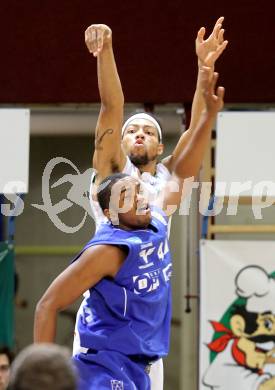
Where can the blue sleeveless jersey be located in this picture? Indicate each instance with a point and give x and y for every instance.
(131, 313)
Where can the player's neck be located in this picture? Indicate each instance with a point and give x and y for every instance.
(150, 167)
(130, 228)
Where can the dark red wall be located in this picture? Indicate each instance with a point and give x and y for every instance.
(44, 58)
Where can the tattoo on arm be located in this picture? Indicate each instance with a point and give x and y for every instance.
(99, 139)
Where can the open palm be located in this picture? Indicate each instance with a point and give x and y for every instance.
(208, 50)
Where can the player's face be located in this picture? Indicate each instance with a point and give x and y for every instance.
(4, 371)
(129, 204)
(141, 142)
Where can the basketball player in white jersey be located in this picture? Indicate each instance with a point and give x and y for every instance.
(135, 147)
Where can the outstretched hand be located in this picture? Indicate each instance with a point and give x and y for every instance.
(209, 50)
(96, 36)
(213, 100)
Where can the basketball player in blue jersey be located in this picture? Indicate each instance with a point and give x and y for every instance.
(136, 147)
(124, 323)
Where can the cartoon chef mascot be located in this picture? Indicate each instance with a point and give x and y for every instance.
(245, 353)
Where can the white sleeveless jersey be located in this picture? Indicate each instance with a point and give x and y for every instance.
(153, 184)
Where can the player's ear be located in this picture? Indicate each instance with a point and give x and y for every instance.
(160, 149)
(112, 216)
(237, 323)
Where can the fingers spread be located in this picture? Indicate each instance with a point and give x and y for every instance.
(216, 31)
(201, 34)
(221, 48)
(214, 55)
(219, 21)
(220, 36)
(224, 44)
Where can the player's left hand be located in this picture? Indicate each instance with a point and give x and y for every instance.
(209, 50)
(213, 100)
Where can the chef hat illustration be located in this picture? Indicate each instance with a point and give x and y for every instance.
(258, 287)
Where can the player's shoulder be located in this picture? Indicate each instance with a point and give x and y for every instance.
(165, 162)
(163, 171)
(113, 235)
(107, 249)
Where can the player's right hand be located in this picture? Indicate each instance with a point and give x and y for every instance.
(96, 36)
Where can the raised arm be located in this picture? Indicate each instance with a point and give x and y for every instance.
(108, 155)
(93, 265)
(190, 159)
(208, 51)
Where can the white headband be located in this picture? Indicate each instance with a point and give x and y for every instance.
(142, 115)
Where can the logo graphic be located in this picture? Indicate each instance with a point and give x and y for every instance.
(116, 385)
(147, 282)
(78, 194)
(147, 250)
(167, 272)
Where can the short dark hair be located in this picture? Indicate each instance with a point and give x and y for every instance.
(249, 317)
(6, 351)
(43, 367)
(105, 189)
